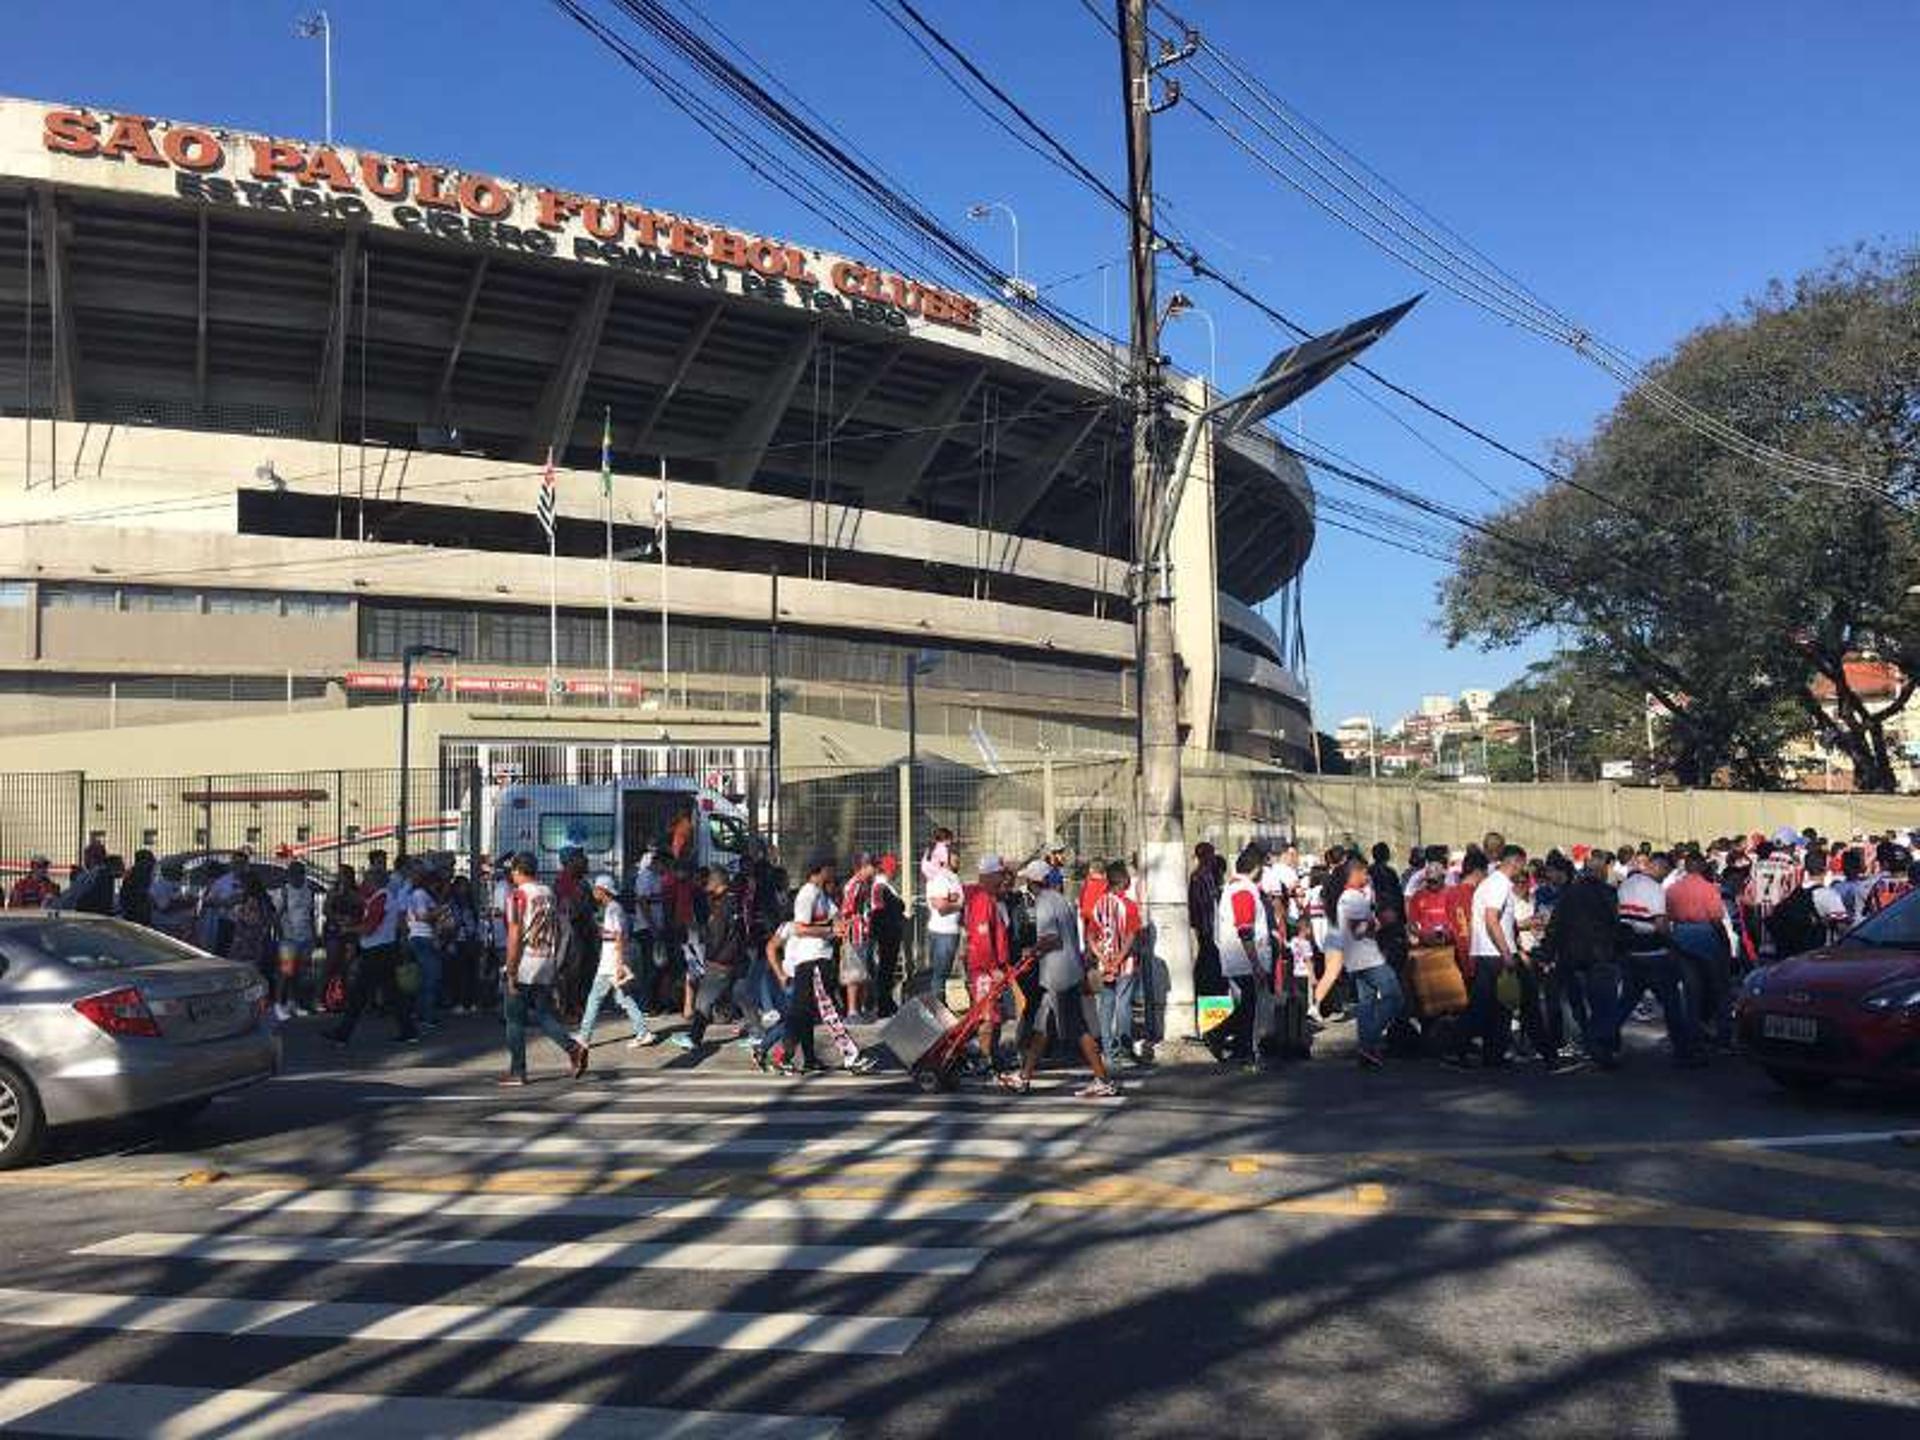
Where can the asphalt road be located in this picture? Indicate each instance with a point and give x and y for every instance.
(387, 1243)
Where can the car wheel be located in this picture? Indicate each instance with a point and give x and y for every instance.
(23, 1129)
(1803, 1081)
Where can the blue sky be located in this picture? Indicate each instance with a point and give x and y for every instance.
(1642, 165)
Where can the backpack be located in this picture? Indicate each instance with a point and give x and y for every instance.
(1795, 924)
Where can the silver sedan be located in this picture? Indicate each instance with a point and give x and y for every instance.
(101, 1019)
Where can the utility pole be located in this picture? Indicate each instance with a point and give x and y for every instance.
(1162, 825)
(773, 704)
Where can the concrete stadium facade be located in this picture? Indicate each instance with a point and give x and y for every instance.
(271, 412)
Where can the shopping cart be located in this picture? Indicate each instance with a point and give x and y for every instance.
(927, 1038)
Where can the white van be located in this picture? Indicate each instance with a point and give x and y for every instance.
(615, 824)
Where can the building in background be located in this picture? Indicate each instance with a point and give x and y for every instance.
(290, 407)
(1820, 765)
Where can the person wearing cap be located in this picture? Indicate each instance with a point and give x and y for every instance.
(533, 957)
(889, 924)
(1065, 989)
(612, 976)
(35, 888)
(984, 923)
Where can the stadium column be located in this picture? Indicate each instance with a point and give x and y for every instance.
(1162, 826)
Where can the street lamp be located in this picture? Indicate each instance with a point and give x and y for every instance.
(983, 211)
(407, 657)
(1180, 303)
(318, 26)
(1289, 375)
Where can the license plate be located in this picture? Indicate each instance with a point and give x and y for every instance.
(1803, 1029)
(203, 1010)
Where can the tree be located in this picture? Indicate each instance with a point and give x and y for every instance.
(1721, 586)
(1581, 716)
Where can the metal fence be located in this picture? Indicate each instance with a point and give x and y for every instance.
(326, 817)
(1087, 805)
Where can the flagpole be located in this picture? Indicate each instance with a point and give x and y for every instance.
(606, 490)
(553, 584)
(660, 518)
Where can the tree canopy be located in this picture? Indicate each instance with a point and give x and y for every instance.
(1730, 590)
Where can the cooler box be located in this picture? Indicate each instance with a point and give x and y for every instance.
(1212, 1011)
(1435, 979)
(920, 1022)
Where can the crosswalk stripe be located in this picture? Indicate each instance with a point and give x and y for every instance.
(801, 1119)
(623, 1207)
(541, 1254)
(754, 1097)
(600, 1326)
(111, 1411)
(965, 1147)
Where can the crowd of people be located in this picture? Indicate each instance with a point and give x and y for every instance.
(1478, 956)
(1484, 955)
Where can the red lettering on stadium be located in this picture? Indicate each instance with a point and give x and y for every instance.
(450, 194)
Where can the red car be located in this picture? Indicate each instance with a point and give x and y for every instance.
(1850, 1011)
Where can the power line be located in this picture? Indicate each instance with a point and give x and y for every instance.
(1411, 236)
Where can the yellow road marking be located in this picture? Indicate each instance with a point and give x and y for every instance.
(1821, 1166)
(1571, 1197)
(1364, 1202)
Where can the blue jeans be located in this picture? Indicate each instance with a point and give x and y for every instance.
(1702, 949)
(1378, 990)
(597, 994)
(532, 1002)
(767, 995)
(942, 951)
(1116, 1014)
(426, 954)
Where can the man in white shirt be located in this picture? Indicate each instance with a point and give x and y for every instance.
(1493, 945)
(373, 971)
(533, 951)
(1280, 885)
(293, 906)
(1244, 932)
(1374, 983)
(424, 909)
(946, 897)
(613, 975)
(1652, 965)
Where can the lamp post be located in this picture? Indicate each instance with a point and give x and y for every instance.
(1180, 303)
(318, 26)
(407, 657)
(983, 211)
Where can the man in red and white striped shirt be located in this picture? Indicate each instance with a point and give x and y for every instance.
(1113, 935)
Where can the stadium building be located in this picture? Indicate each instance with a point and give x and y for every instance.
(274, 412)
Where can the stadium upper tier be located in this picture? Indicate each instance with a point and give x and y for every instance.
(223, 281)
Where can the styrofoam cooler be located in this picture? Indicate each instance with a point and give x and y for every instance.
(914, 1029)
